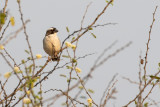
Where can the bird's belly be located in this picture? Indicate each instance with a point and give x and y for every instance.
(51, 45)
(47, 46)
(57, 44)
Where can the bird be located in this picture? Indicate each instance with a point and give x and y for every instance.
(52, 44)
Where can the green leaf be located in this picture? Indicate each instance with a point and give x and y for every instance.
(2, 18)
(37, 96)
(90, 28)
(73, 38)
(40, 92)
(83, 97)
(90, 90)
(74, 60)
(68, 80)
(40, 66)
(93, 35)
(136, 102)
(155, 77)
(65, 56)
(146, 104)
(69, 67)
(63, 104)
(159, 64)
(29, 58)
(27, 51)
(67, 29)
(74, 78)
(30, 68)
(80, 87)
(62, 75)
(107, 1)
(23, 61)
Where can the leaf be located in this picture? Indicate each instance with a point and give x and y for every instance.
(40, 66)
(29, 58)
(146, 104)
(23, 61)
(62, 75)
(68, 80)
(30, 68)
(63, 104)
(93, 35)
(159, 64)
(67, 29)
(74, 78)
(73, 38)
(80, 87)
(40, 92)
(65, 56)
(69, 67)
(136, 102)
(2, 18)
(74, 60)
(90, 90)
(90, 28)
(27, 51)
(155, 77)
(112, 2)
(107, 1)
(83, 97)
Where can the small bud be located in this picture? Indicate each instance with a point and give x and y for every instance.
(7, 75)
(38, 56)
(28, 92)
(26, 101)
(1, 47)
(16, 69)
(68, 44)
(78, 70)
(73, 47)
(89, 100)
(12, 21)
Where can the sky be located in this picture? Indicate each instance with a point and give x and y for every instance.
(133, 18)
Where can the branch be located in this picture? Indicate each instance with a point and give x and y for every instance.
(145, 65)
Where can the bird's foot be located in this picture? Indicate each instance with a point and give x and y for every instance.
(56, 59)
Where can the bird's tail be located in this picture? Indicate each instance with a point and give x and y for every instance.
(55, 59)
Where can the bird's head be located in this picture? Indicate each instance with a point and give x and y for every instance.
(51, 30)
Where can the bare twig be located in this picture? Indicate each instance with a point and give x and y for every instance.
(150, 91)
(148, 83)
(4, 9)
(27, 37)
(7, 40)
(145, 64)
(105, 101)
(64, 93)
(113, 78)
(5, 30)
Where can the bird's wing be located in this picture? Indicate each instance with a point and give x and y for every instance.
(53, 47)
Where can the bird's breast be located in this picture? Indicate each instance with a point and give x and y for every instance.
(51, 44)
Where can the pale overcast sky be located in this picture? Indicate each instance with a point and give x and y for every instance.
(133, 17)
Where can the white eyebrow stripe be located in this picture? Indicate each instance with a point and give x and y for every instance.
(50, 28)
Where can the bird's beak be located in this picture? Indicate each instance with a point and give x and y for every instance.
(56, 30)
